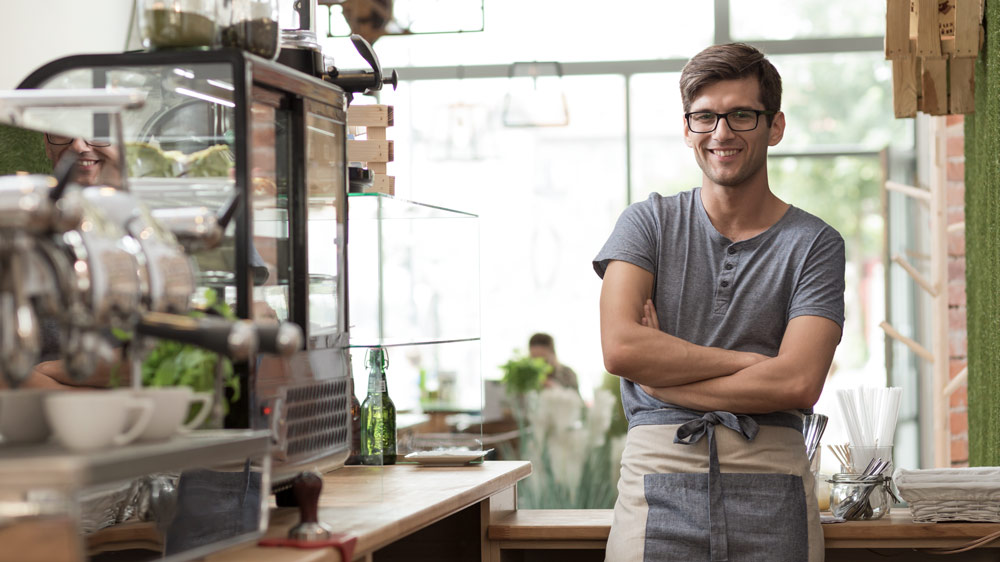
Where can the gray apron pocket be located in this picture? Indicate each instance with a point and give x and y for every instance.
(765, 517)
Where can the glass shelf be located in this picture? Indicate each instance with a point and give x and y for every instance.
(414, 272)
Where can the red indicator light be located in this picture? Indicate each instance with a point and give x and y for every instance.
(267, 410)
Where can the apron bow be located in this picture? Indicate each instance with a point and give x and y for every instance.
(692, 431)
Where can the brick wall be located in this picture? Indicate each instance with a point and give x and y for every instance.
(957, 340)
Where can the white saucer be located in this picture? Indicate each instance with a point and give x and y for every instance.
(451, 457)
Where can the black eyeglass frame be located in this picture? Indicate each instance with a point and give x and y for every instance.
(721, 116)
(71, 139)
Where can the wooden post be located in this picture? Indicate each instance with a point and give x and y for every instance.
(939, 276)
(904, 86)
(961, 85)
(928, 33)
(968, 16)
(934, 86)
(897, 29)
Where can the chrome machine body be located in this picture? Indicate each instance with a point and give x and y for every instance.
(227, 134)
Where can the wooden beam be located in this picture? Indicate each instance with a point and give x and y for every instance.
(914, 346)
(934, 86)
(370, 115)
(369, 151)
(956, 381)
(931, 289)
(897, 29)
(968, 19)
(961, 85)
(905, 91)
(928, 33)
(909, 190)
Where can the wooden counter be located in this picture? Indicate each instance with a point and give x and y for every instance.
(898, 530)
(555, 535)
(428, 514)
(898, 535)
(406, 512)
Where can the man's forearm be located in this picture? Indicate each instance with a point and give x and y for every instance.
(769, 386)
(651, 357)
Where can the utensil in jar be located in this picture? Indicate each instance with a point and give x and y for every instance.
(813, 427)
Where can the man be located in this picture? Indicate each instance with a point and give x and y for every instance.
(721, 308)
(543, 346)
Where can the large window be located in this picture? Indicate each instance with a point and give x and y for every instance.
(549, 196)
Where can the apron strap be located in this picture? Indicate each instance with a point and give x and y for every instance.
(692, 432)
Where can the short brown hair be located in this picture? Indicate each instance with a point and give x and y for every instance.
(731, 61)
(542, 339)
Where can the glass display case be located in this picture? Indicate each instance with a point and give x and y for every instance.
(232, 132)
(414, 276)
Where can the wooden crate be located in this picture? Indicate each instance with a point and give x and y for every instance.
(933, 45)
(374, 151)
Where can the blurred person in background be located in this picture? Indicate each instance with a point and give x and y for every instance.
(543, 346)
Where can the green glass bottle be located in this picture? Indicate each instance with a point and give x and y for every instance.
(378, 413)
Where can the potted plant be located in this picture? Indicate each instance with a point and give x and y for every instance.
(523, 374)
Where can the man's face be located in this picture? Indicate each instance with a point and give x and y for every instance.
(96, 166)
(732, 158)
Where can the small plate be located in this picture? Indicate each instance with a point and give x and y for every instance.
(452, 457)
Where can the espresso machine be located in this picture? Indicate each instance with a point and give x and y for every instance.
(83, 258)
(225, 129)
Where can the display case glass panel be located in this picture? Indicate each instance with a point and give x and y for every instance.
(414, 272)
(325, 211)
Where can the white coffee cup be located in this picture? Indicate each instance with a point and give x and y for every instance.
(171, 405)
(22, 416)
(86, 421)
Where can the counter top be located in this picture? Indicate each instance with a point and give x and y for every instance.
(380, 505)
(898, 530)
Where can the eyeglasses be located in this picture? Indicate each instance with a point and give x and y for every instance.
(739, 120)
(60, 140)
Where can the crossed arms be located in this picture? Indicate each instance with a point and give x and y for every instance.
(708, 378)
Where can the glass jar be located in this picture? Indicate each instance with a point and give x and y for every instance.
(253, 27)
(858, 498)
(178, 24)
(301, 50)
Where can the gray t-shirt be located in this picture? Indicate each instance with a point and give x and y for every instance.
(712, 292)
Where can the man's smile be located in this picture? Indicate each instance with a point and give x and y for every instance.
(725, 153)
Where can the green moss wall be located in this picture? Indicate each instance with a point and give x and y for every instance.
(982, 249)
(22, 150)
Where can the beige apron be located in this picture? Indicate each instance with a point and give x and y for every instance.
(759, 503)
